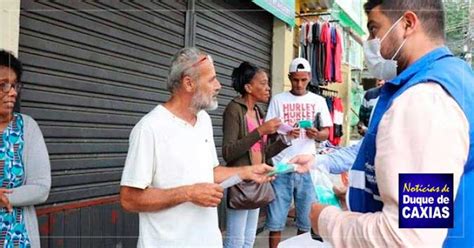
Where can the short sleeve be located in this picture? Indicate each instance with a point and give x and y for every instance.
(140, 164)
(272, 110)
(326, 120)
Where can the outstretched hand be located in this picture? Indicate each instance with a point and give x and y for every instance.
(303, 162)
(257, 173)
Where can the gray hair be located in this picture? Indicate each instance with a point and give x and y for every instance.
(182, 65)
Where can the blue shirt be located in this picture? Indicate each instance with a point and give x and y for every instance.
(340, 160)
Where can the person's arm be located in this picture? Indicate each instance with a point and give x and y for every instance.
(233, 147)
(256, 172)
(409, 141)
(275, 142)
(137, 194)
(338, 161)
(154, 199)
(274, 146)
(313, 133)
(37, 168)
(326, 122)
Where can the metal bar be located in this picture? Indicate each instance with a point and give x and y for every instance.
(313, 14)
(190, 26)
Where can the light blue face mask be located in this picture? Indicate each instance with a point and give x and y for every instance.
(377, 65)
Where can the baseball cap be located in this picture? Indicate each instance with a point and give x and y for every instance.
(300, 64)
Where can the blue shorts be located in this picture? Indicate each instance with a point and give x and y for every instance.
(288, 187)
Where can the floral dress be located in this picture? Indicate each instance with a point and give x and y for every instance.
(12, 173)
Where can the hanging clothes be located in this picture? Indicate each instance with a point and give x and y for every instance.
(338, 117)
(336, 110)
(326, 40)
(303, 41)
(321, 44)
(321, 56)
(315, 80)
(336, 55)
(307, 38)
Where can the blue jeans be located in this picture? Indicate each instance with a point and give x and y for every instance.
(241, 228)
(288, 187)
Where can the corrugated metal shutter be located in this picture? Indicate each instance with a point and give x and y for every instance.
(92, 70)
(232, 33)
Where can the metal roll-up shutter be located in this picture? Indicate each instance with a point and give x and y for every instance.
(232, 32)
(92, 70)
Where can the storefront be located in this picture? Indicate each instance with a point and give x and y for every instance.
(92, 70)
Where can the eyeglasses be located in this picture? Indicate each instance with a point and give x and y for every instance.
(6, 87)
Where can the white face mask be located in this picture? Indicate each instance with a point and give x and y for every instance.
(379, 67)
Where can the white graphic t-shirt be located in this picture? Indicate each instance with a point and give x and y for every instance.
(291, 109)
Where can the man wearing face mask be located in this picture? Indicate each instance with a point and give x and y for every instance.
(426, 103)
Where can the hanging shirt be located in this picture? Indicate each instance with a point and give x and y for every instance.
(336, 47)
(326, 40)
(321, 56)
(303, 40)
(315, 55)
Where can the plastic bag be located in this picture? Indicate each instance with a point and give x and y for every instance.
(324, 188)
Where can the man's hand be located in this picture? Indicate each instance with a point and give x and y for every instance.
(312, 133)
(303, 162)
(294, 134)
(4, 202)
(316, 210)
(205, 194)
(257, 173)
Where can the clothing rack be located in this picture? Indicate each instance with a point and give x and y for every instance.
(322, 91)
(313, 14)
(328, 92)
(331, 21)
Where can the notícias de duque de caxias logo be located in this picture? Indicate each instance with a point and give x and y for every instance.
(425, 200)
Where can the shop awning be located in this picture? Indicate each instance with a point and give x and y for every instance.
(281, 9)
(345, 20)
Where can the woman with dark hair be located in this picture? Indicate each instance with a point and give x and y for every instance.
(245, 139)
(25, 177)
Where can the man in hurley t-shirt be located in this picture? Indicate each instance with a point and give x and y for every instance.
(293, 107)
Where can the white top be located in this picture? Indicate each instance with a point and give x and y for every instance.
(167, 152)
(291, 109)
(424, 131)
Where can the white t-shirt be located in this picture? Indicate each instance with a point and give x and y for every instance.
(291, 109)
(167, 152)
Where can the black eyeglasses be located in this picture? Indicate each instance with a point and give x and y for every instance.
(6, 87)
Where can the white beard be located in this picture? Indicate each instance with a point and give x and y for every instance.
(199, 102)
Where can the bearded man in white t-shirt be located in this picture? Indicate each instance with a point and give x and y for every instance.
(297, 108)
(171, 174)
